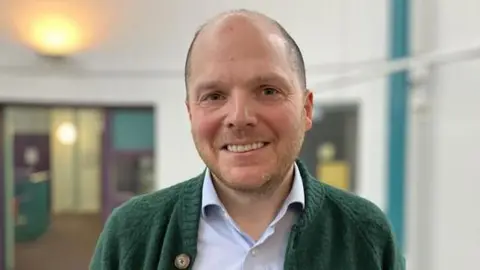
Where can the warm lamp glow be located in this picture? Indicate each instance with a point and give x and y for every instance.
(66, 133)
(59, 28)
(55, 35)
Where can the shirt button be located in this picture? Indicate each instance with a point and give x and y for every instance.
(254, 252)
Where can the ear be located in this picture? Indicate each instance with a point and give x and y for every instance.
(308, 108)
(188, 109)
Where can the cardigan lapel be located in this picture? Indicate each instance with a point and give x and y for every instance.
(191, 201)
(314, 197)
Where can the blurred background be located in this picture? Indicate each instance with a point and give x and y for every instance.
(92, 113)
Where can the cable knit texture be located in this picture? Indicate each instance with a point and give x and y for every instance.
(336, 231)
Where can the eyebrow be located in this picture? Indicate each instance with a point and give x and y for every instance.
(276, 79)
(211, 84)
(256, 80)
(268, 78)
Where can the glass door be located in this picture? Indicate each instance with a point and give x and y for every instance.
(53, 174)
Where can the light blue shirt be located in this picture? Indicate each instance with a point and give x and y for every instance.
(223, 246)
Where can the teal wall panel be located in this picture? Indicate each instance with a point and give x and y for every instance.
(33, 208)
(133, 130)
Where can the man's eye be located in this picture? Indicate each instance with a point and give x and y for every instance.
(213, 97)
(268, 91)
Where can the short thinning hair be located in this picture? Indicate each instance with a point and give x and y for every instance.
(292, 47)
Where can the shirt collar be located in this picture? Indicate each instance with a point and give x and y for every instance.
(210, 197)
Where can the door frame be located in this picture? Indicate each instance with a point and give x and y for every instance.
(3, 204)
(105, 193)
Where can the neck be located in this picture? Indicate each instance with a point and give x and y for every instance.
(239, 204)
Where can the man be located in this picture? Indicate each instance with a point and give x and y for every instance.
(255, 206)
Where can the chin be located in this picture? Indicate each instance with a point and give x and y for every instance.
(245, 186)
(245, 178)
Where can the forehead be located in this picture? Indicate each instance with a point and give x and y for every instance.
(239, 48)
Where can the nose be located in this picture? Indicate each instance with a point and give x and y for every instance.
(241, 112)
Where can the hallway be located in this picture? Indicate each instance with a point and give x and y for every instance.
(68, 244)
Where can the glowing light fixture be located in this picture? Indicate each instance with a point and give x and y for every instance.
(326, 151)
(55, 35)
(66, 133)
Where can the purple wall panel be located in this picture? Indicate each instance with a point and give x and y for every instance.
(41, 145)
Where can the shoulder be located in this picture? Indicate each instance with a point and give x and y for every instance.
(358, 221)
(153, 207)
(137, 225)
(134, 219)
(353, 209)
(369, 221)
(364, 213)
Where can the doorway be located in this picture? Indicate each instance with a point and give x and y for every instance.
(53, 167)
(60, 182)
(330, 147)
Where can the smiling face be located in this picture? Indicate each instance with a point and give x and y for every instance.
(247, 108)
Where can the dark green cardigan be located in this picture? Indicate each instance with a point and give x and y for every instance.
(336, 231)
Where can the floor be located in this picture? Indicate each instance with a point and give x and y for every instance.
(68, 244)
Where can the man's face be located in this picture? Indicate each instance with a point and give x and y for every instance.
(247, 109)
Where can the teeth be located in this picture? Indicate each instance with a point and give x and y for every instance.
(244, 148)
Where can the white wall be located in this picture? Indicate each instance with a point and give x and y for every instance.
(145, 44)
(444, 227)
(457, 133)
